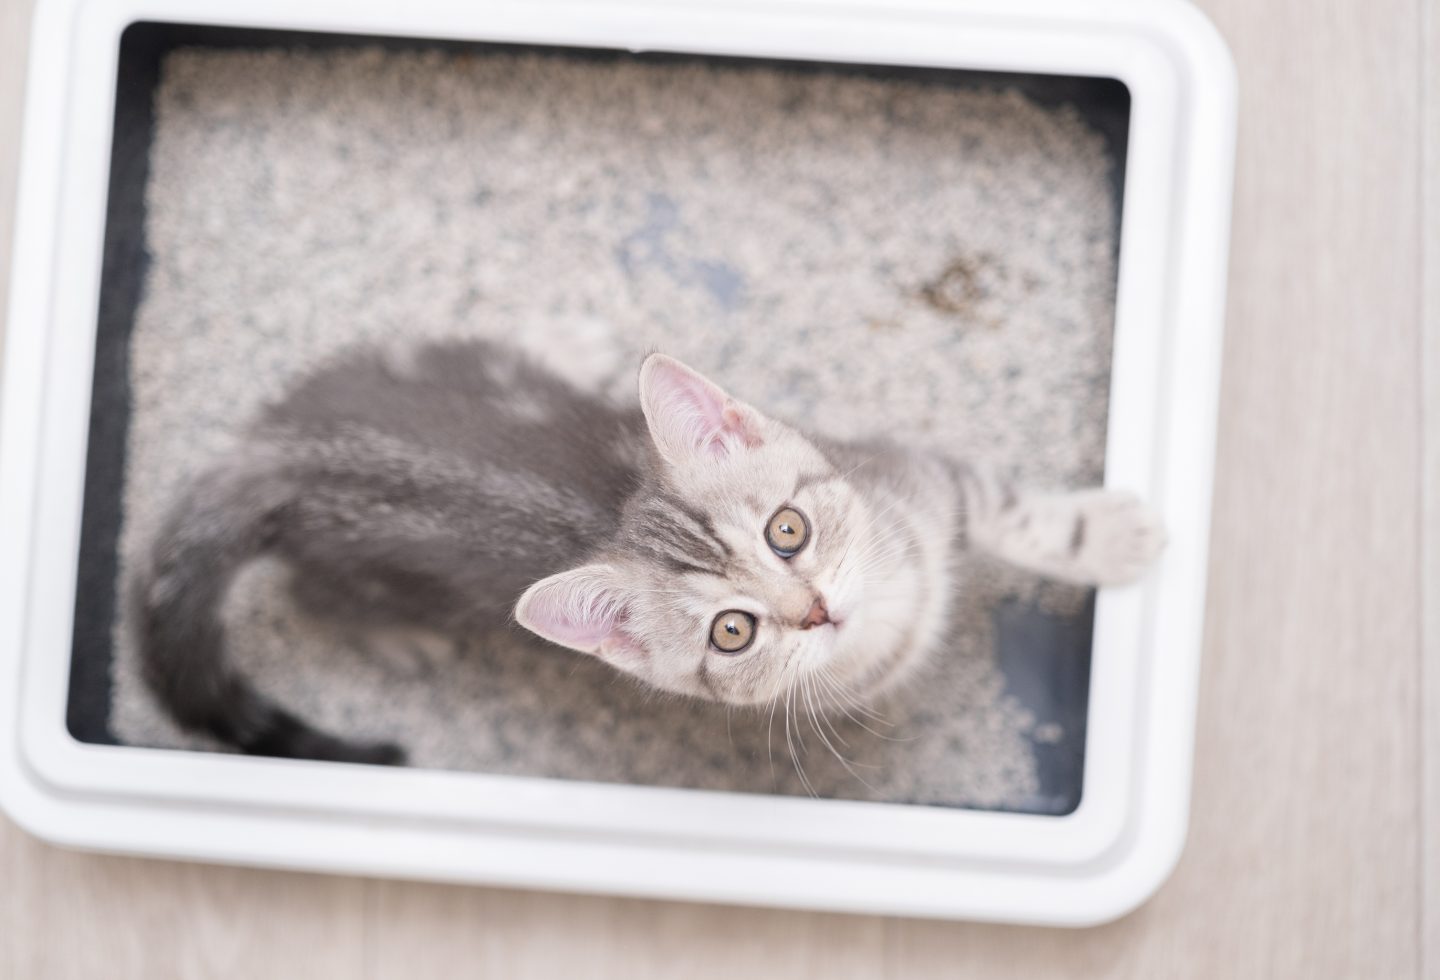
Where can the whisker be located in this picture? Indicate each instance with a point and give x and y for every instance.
(821, 696)
(769, 725)
(875, 559)
(815, 724)
(896, 500)
(794, 757)
(867, 459)
(840, 692)
(881, 545)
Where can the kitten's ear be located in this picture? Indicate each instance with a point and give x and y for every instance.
(583, 609)
(689, 416)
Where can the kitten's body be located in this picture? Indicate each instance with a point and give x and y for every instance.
(437, 488)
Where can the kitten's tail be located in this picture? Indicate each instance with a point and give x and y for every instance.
(226, 518)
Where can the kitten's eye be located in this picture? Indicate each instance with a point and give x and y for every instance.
(732, 631)
(787, 532)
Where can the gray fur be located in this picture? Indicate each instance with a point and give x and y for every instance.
(439, 487)
(407, 496)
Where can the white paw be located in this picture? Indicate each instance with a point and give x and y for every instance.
(1115, 537)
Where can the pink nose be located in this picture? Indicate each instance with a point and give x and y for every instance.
(817, 616)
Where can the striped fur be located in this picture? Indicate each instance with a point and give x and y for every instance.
(464, 488)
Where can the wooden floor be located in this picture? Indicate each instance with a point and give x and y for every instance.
(1316, 768)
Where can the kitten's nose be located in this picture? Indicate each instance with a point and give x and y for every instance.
(818, 614)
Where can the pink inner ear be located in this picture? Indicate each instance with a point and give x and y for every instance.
(577, 610)
(736, 423)
(565, 614)
(698, 413)
(711, 421)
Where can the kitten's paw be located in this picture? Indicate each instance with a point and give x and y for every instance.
(1115, 537)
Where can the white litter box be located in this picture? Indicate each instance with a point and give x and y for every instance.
(1086, 861)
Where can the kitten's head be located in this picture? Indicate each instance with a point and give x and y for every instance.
(748, 564)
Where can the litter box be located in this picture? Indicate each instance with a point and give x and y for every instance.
(1103, 821)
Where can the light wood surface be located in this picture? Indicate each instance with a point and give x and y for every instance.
(1313, 781)
(1430, 490)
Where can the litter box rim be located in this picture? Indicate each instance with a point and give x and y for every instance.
(1085, 867)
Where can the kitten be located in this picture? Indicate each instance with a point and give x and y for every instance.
(692, 541)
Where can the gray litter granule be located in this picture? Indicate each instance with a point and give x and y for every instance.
(856, 254)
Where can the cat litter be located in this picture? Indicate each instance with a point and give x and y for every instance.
(865, 219)
(862, 255)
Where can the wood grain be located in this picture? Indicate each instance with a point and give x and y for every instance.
(84, 916)
(431, 931)
(1306, 846)
(14, 31)
(1304, 849)
(1430, 487)
(14, 25)
(71, 915)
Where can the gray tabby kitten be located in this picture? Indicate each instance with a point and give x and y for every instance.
(692, 542)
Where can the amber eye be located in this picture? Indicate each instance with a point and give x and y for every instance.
(732, 631)
(787, 532)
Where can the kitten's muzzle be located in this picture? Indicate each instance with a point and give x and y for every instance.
(818, 615)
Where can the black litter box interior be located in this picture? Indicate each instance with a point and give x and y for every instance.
(1045, 658)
